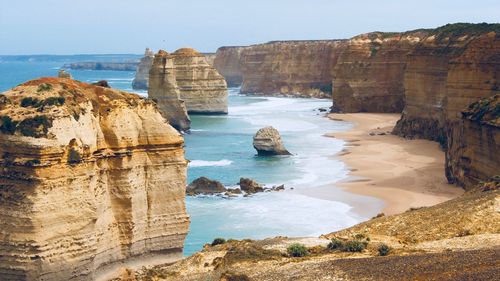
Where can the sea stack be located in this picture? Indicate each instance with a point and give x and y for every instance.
(267, 142)
(92, 179)
(201, 87)
(141, 78)
(63, 74)
(164, 90)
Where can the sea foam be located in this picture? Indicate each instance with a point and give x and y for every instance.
(203, 163)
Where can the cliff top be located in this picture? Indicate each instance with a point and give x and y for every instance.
(486, 111)
(187, 52)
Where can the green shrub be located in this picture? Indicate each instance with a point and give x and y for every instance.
(44, 87)
(32, 162)
(335, 244)
(297, 250)
(37, 126)
(74, 156)
(218, 241)
(8, 126)
(354, 246)
(54, 101)
(29, 101)
(383, 250)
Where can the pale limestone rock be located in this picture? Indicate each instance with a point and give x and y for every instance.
(163, 88)
(141, 78)
(267, 141)
(100, 187)
(63, 74)
(202, 88)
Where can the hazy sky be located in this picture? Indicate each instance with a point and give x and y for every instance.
(128, 26)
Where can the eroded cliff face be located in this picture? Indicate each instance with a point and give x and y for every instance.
(473, 153)
(91, 179)
(201, 87)
(368, 76)
(141, 78)
(227, 63)
(295, 68)
(164, 90)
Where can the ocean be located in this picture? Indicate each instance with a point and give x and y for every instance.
(220, 147)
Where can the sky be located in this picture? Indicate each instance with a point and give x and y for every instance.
(128, 26)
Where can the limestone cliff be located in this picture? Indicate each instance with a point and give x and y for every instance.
(473, 153)
(201, 87)
(368, 76)
(164, 90)
(227, 63)
(141, 78)
(91, 179)
(296, 68)
(451, 68)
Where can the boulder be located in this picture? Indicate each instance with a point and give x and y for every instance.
(250, 186)
(205, 185)
(267, 142)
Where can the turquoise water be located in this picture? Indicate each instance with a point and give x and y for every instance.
(220, 147)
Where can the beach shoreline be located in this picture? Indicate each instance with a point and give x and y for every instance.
(402, 173)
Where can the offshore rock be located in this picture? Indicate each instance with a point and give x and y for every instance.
(267, 142)
(92, 181)
(250, 186)
(164, 90)
(141, 78)
(205, 185)
(202, 88)
(63, 74)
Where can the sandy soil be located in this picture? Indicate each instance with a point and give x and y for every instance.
(403, 173)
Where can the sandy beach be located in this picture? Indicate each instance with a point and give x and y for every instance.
(403, 173)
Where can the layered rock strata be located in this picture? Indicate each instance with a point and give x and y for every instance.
(141, 78)
(295, 68)
(202, 88)
(227, 63)
(91, 179)
(164, 90)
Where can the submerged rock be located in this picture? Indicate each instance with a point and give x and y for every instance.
(203, 185)
(250, 186)
(267, 142)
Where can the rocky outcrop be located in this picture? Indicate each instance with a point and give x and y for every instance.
(91, 179)
(473, 153)
(102, 83)
(114, 66)
(250, 186)
(451, 68)
(202, 88)
(227, 63)
(210, 58)
(369, 74)
(205, 185)
(63, 74)
(141, 78)
(295, 68)
(164, 90)
(267, 142)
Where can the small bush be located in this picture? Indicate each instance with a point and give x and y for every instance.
(29, 101)
(383, 250)
(218, 241)
(297, 250)
(54, 101)
(359, 236)
(37, 126)
(74, 156)
(335, 244)
(8, 126)
(354, 246)
(44, 87)
(32, 162)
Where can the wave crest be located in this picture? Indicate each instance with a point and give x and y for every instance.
(203, 163)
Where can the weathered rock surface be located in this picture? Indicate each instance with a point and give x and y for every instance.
(63, 74)
(295, 68)
(267, 141)
(250, 186)
(141, 78)
(164, 90)
(102, 83)
(202, 88)
(205, 185)
(210, 58)
(92, 180)
(227, 63)
(473, 153)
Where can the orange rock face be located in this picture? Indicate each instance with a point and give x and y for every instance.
(227, 63)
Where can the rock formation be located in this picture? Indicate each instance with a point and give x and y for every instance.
(473, 153)
(201, 87)
(267, 142)
(102, 83)
(210, 58)
(114, 66)
(227, 63)
(91, 180)
(63, 74)
(250, 186)
(164, 90)
(141, 78)
(205, 185)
